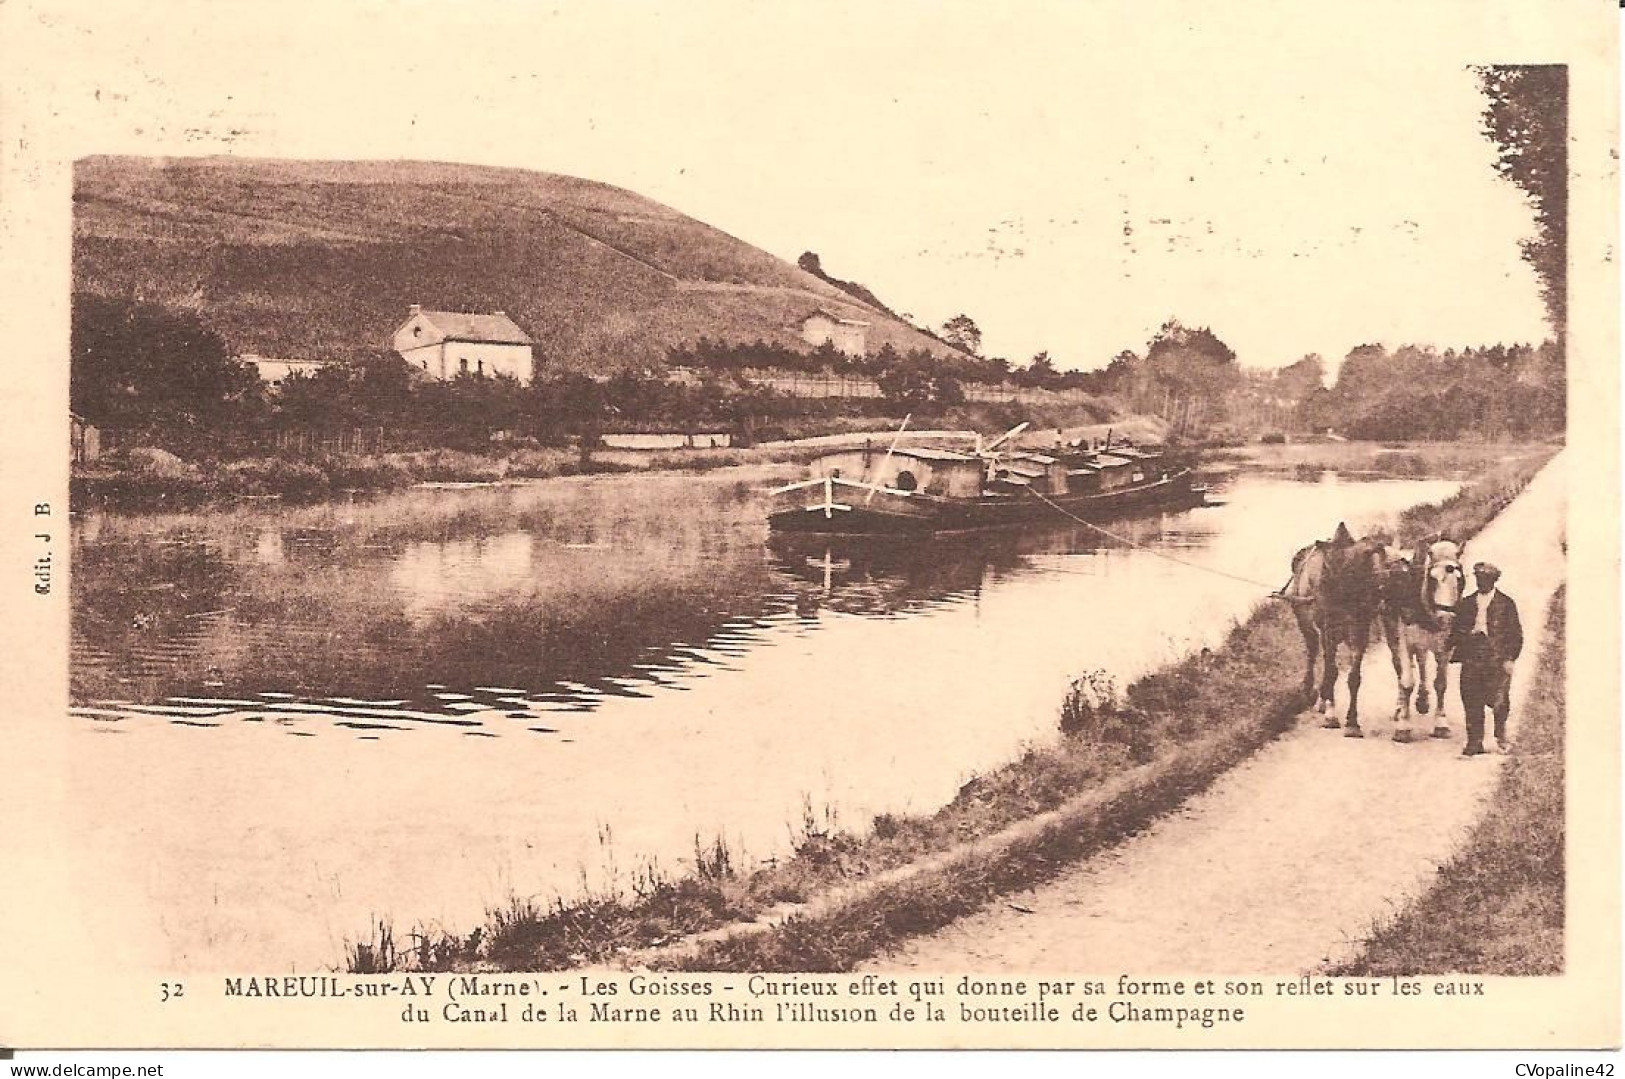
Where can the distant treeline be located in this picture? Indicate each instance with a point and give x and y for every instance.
(1417, 392)
(1190, 377)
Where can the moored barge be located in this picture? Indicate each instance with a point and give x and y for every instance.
(907, 490)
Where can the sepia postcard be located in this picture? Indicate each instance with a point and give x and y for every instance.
(860, 525)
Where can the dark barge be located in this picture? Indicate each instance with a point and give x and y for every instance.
(922, 490)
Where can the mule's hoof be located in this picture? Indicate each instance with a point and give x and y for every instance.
(1441, 732)
(1402, 735)
(1330, 723)
(1353, 731)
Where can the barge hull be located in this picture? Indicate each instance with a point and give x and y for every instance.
(919, 514)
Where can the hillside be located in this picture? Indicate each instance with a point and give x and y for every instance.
(320, 259)
(810, 262)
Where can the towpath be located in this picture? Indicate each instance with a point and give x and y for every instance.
(1285, 863)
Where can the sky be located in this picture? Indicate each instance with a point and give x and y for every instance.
(1070, 175)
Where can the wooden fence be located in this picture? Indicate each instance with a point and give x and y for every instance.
(303, 442)
(828, 384)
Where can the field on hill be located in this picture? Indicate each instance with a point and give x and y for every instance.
(321, 259)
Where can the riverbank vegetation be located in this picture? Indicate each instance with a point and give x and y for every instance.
(1123, 757)
(1407, 460)
(1498, 906)
(145, 477)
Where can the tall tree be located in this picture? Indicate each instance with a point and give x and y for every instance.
(1040, 372)
(963, 333)
(1299, 379)
(1527, 119)
(918, 382)
(1191, 362)
(144, 367)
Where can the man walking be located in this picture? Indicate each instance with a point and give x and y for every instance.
(1486, 640)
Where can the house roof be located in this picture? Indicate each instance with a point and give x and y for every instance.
(918, 453)
(490, 329)
(927, 453)
(821, 313)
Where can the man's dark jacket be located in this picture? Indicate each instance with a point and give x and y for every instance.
(1503, 640)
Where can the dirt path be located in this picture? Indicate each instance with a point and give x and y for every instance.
(1285, 863)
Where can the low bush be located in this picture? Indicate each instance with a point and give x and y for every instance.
(270, 476)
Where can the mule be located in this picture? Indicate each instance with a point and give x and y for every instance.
(1335, 591)
(1418, 612)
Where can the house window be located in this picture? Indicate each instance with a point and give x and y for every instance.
(464, 364)
(482, 367)
(417, 331)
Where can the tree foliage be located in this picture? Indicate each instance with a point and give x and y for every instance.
(1191, 360)
(138, 366)
(1039, 372)
(963, 333)
(917, 381)
(1500, 391)
(1181, 364)
(1527, 118)
(733, 358)
(1301, 378)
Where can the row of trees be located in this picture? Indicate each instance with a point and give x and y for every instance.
(161, 377)
(736, 357)
(962, 367)
(1417, 392)
(1410, 392)
(1191, 377)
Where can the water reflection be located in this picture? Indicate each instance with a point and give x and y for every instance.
(529, 589)
(885, 576)
(471, 609)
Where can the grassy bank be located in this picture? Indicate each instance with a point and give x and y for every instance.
(1124, 757)
(1497, 907)
(1395, 459)
(147, 478)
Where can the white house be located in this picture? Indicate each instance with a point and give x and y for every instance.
(446, 344)
(846, 334)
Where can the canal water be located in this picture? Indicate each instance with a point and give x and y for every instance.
(417, 705)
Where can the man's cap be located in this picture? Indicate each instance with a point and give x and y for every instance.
(1488, 568)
